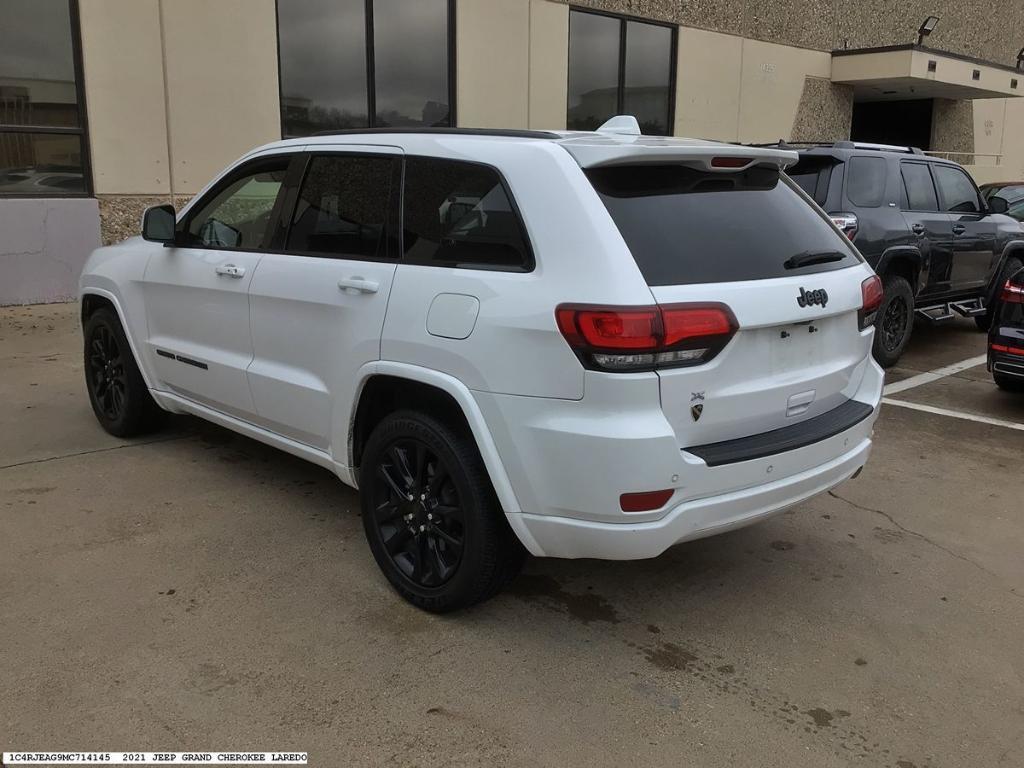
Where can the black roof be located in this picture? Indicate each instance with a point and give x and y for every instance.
(511, 134)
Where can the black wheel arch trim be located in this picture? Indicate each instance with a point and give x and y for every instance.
(905, 253)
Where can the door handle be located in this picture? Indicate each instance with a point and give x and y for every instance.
(357, 284)
(230, 270)
(959, 229)
(918, 229)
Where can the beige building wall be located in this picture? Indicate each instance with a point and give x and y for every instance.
(175, 90)
(222, 89)
(998, 131)
(123, 72)
(493, 63)
(511, 63)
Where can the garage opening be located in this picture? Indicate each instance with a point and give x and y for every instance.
(904, 123)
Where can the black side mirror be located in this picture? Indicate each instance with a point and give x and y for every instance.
(998, 204)
(158, 224)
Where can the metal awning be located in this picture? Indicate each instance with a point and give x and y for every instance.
(918, 72)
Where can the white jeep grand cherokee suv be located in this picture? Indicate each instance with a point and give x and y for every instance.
(573, 344)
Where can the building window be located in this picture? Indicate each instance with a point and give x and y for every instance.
(618, 66)
(43, 150)
(365, 64)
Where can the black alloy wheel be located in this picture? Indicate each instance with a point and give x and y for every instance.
(894, 323)
(431, 517)
(109, 380)
(418, 513)
(117, 392)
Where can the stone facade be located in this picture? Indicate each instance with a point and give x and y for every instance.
(825, 111)
(953, 129)
(121, 215)
(968, 27)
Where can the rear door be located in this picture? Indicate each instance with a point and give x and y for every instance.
(974, 232)
(318, 299)
(931, 227)
(752, 241)
(197, 291)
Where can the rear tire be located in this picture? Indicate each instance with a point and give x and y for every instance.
(1007, 383)
(895, 320)
(431, 516)
(117, 392)
(1010, 267)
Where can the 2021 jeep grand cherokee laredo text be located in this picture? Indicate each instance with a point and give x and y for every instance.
(940, 247)
(573, 344)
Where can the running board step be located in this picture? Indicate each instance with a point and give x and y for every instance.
(938, 313)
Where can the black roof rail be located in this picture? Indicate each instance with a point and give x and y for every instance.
(783, 143)
(509, 133)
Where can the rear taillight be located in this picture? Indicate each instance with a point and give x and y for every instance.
(846, 222)
(645, 338)
(871, 292)
(1006, 349)
(1012, 293)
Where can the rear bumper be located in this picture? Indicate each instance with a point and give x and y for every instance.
(549, 536)
(569, 461)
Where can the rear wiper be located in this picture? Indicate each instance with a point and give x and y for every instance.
(806, 258)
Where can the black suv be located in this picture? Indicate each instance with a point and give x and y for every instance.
(1006, 338)
(939, 247)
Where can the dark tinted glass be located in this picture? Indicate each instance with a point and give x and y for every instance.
(458, 214)
(919, 187)
(323, 65)
(865, 182)
(37, 66)
(812, 175)
(237, 215)
(343, 207)
(41, 164)
(593, 70)
(648, 72)
(957, 190)
(411, 62)
(687, 226)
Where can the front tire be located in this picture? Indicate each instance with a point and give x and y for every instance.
(117, 392)
(895, 321)
(431, 516)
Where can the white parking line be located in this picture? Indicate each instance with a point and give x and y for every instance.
(930, 376)
(954, 414)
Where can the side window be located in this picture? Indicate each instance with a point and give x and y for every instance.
(918, 188)
(238, 213)
(957, 190)
(344, 207)
(459, 214)
(865, 185)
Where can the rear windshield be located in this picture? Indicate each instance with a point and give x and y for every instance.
(812, 175)
(687, 226)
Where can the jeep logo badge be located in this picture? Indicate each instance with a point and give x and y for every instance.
(810, 298)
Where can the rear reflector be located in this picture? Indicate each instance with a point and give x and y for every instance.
(1007, 350)
(871, 293)
(644, 502)
(1012, 293)
(731, 162)
(645, 338)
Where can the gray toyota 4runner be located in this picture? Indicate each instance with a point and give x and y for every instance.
(941, 249)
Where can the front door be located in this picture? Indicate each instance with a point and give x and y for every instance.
(197, 291)
(974, 232)
(318, 301)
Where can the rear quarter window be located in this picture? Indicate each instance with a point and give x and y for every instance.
(865, 181)
(686, 226)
